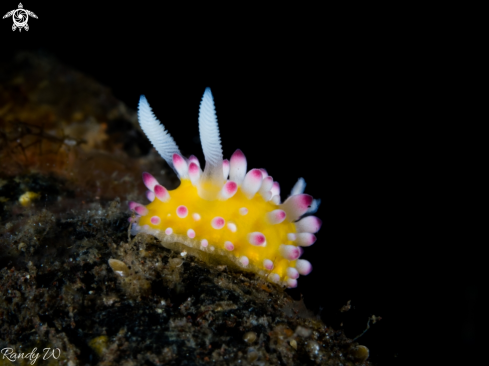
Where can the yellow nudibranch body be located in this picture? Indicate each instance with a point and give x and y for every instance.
(224, 210)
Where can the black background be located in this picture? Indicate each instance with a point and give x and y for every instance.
(345, 98)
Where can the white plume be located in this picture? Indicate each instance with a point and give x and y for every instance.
(209, 130)
(156, 133)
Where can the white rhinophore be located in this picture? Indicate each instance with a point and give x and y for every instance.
(156, 133)
(212, 178)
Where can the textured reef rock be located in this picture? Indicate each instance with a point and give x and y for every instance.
(71, 276)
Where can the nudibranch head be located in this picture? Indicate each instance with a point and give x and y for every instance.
(225, 210)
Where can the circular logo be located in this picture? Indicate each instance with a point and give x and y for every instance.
(20, 17)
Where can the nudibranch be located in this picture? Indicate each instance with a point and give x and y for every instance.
(223, 210)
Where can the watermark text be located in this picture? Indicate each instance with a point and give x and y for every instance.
(33, 356)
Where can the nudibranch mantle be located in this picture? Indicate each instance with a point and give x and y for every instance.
(224, 210)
